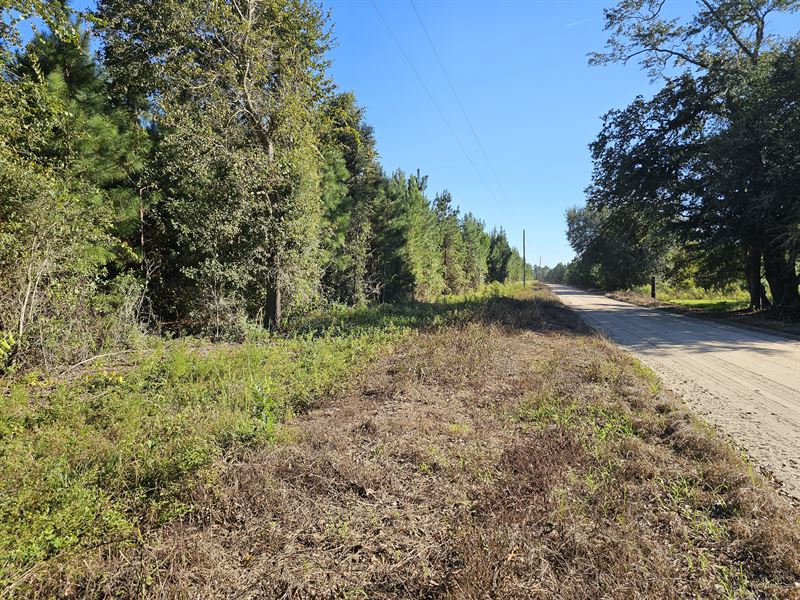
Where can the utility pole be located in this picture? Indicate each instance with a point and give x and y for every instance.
(524, 264)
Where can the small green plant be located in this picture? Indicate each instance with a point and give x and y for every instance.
(680, 491)
(734, 583)
(546, 408)
(646, 373)
(709, 527)
(8, 350)
(460, 429)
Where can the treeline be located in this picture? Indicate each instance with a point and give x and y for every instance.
(201, 174)
(700, 184)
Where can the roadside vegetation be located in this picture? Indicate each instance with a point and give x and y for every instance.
(181, 180)
(197, 242)
(730, 299)
(493, 446)
(237, 358)
(106, 451)
(697, 185)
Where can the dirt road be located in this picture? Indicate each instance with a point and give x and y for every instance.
(745, 383)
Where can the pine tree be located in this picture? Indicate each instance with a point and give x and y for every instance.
(68, 162)
(452, 243)
(500, 254)
(476, 250)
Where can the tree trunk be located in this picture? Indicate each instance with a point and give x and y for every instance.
(779, 269)
(752, 273)
(272, 311)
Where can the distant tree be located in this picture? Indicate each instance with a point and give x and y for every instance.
(453, 249)
(476, 250)
(499, 256)
(557, 274)
(518, 269)
(352, 185)
(541, 273)
(423, 250)
(612, 253)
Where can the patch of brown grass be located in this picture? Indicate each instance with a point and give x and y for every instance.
(518, 456)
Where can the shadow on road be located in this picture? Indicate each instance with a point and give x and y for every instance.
(651, 331)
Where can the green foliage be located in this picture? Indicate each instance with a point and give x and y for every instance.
(453, 246)
(705, 170)
(8, 349)
(410, 241)
(499, 256)
(66, 161)
(202, 178)
(611, 256)
(476, 250)
(55, 15)
(730, 298)
(235, 108)
(94, 459)
(423, 251)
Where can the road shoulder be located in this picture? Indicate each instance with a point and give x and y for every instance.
(753, 322)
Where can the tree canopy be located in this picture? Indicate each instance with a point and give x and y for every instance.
(201, 173)
(706, 169)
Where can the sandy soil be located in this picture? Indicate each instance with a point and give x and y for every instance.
(744, 382)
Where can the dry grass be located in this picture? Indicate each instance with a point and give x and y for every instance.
(515, 456)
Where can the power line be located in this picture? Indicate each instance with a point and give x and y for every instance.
(458, 99)
(433, 100)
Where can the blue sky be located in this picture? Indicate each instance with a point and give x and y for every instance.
(520, 70)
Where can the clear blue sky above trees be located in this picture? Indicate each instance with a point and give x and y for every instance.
(521, 72)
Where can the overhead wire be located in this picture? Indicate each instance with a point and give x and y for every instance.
(455, 94)
(433, 100)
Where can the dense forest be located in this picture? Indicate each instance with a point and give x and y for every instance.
(700, 184)
(200, 173)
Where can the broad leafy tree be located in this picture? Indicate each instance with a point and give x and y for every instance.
(708, 159)
(235, 89)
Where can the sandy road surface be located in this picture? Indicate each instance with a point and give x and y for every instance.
(744, 382)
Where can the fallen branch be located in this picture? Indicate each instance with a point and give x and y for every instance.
(83, 362)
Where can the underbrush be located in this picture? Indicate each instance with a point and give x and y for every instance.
(110, 449)
(712, 305)
(506, 452)
(733, 298)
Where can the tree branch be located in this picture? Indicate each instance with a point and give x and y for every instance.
(674, 53)
(747, 50)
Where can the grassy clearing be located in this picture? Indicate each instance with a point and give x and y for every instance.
(508, 453)
(698, 298)
(731, 307)
(711, 305)
(104, 453)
